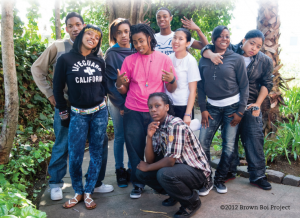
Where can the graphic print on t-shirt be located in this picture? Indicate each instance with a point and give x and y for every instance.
(89, 68)
(165, 46)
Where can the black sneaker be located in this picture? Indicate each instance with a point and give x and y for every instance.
(205, 191)
(221, 188)
(262, 183)
(230, 176)
(185, 212)
(136, 192)
(128, 174)
(169, 202)
(122, 178)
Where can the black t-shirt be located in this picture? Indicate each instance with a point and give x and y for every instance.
(84, 78)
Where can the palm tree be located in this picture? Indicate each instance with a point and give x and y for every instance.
(268, 21)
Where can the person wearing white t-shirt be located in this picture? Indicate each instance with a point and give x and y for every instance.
(165, 36)
(188, 75)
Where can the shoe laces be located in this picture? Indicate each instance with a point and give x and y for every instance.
(57, 189)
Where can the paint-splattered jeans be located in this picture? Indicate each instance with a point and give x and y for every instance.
(78, 131)
(220, 117)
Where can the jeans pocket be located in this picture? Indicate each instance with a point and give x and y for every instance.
(126, 110)
(235, 105)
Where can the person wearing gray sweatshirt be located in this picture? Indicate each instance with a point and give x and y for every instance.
(226, 88)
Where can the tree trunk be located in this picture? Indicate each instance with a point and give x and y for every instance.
(133, 10)
(11, 108)
(57, 19)
(268, 22)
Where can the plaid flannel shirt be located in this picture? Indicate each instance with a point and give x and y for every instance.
(175, 139)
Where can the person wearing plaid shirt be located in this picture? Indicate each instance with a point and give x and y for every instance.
(175, 161)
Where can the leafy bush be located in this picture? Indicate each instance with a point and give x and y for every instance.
(286, 142)
(13, 202)
(292, 101)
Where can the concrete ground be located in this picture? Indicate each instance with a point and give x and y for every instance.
(241, 200)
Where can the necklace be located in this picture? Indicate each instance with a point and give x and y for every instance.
(180, 60)
(215, 71)
(147, 74)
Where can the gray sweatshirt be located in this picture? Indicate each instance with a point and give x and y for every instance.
(231, 79)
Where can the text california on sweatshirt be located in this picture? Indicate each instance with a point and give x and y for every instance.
(84, 78)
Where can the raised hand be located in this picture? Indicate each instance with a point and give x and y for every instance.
(152, 127)
(204, 120)
(189, 24)
(216, 58)
(167, 76)
(122, 79)
(147, 22)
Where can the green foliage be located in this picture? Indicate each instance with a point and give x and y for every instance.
(13, 202)
(292, 100)
(286, 142)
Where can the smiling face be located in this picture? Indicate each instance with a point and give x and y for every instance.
(252, 46)
(74, 26)
(163, 19)
(223, 41)
(142, 43)
(122, 35)
(90, 40)
(179, 41)
(158, 109)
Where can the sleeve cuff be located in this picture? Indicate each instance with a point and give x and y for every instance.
(241, 110)
(202, 107)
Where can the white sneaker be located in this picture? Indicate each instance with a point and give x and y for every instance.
(56, 194)
(104, 188)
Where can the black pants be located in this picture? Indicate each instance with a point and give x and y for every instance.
(180, 111)
(178, 181)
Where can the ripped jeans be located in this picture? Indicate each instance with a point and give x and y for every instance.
(220, 117)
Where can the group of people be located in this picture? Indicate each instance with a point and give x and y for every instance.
(151, 81)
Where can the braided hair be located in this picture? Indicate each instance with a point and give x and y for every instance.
(147, 30)
(166, 99)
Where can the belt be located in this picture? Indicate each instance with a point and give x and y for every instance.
(90, 110)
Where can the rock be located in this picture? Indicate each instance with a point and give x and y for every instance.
(291, 180)
(243, 163)
(274, 176)
(243, 171)
(214, 163)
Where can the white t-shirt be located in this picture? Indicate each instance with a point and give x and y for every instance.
(247, 60)
(187, 71)
(164, 43)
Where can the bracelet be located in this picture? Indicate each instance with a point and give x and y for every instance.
(173, 80)
(188, 115)
(118, 87)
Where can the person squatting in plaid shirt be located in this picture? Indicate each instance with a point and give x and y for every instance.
(175, 161)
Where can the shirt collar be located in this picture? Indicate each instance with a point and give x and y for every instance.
(165, 124)
(71, 40)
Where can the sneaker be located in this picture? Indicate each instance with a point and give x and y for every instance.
(121, 178)
(136, 192)
(104, 188)
(205, 191)
(185, 212)
(169, 202)
(221, 188)
(230, 176)
(262, 183)
(128, 174)
(56, 194)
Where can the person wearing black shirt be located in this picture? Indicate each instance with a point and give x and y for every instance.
(83, 72)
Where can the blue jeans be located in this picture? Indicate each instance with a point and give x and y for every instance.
(58, 164)
(119, 135)
(135, 130)
(251, 133)
(220, 117)
(80, 125)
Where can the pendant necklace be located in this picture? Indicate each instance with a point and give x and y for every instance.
(215, 71)
(146, 74)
